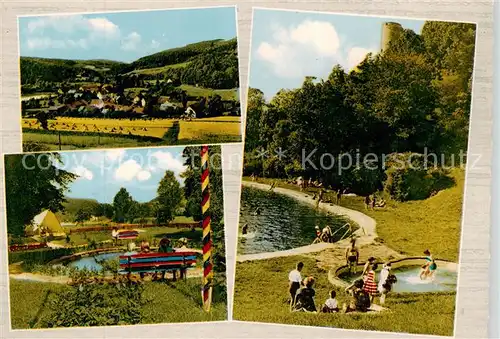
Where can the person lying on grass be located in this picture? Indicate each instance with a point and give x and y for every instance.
(360, 300)
(304, 300)
(330, 305)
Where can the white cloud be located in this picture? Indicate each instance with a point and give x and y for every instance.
(356, 55)
(143, 175)
(166, 161)
(307, 49)
(83, 172)
(131, 41)
(72, 23)
(311, 48)
(155, 44)
(94, 30)
(128, 170)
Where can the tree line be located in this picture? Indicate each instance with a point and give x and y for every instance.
(413, 97)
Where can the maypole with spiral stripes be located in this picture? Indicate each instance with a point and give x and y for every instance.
(206, 291)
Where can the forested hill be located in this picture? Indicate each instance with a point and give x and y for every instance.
(212, 63)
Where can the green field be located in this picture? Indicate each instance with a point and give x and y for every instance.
(261, 295)
(158, 70)
(226, 94)
(166, 303)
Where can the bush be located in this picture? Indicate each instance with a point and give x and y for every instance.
(41, 256)
(96, 305)
(409, 178)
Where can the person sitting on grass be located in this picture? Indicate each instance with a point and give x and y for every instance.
(360, 300)
(304, 300)
(295, 281)
(331, 305)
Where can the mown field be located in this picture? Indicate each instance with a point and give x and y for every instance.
(77, 133)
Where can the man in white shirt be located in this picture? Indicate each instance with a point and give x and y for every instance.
(295, 279)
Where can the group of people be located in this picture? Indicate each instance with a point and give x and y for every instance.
(361, 292)
(371, 202)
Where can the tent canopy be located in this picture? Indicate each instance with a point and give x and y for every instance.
(47, 221)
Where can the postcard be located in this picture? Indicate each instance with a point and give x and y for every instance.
(115, 237)
(353, 181)
(129, 79)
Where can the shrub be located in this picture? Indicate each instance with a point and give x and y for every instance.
(41, 256)
(96, 305)
(409, 178)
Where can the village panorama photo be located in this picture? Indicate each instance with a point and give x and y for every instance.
(129, 79)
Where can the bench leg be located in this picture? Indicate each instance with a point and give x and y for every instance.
(174, 273)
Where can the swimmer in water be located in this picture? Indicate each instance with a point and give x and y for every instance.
(244, 229)
(258, 210)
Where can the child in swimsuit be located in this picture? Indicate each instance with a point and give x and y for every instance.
(430, 266)
(352, 256)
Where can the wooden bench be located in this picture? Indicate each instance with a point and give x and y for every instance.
(158, 262)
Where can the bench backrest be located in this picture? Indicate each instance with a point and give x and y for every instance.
(144, 261)
(128, 234)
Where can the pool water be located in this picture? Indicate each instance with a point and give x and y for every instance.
(92, 263)
(283, 222)
(444, 280)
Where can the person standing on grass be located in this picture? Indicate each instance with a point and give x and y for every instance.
(352, 256)
(114, 235)
(295, 280)
(367, 266)
(339, 196)
(367, 202)
(370, 284)
(374, 202)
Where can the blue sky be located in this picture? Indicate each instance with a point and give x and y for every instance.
(123, 36)
(287, 45)
(103, 173)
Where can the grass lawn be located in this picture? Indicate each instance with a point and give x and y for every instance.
(226, 94)
(261, 295)
(167, 302)
(411, 227)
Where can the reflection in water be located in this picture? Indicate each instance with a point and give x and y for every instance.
(277, 222)
(409, 280)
